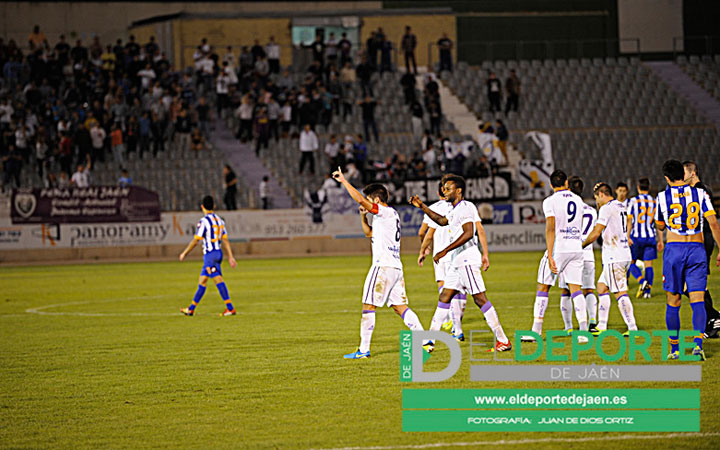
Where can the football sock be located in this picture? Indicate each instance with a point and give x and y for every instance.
(672, 320)
(541, 304)
(493, 321)
(198, 296)
(222, 288)
(580, 310)
(591, 305)
(603, 310)
(440, 316)
(649, 275)
(456, 313)
(626, 310)
(367, 325)
(566, 311)
(411, 320)
(635, 272)
(699, 318)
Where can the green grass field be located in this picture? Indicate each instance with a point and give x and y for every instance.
(98, 356)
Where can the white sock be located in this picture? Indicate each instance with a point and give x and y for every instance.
(493, 321)
(591, 306)
(541, 304)
(603, 311)
(367, 325)
(626, 310)
(411, 320)
(457, 309)
(440, 316)
(566, 311)
(580, 310)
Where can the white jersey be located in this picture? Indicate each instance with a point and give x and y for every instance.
(613, 217)
(441, 237)
(567, 208)
(589, 221)
(386, 238)
(467, 254)
(211, 230)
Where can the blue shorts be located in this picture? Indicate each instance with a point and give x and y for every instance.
(211, 264)
(644, 249)
(684, 263)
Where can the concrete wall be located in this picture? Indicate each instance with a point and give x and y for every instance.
(654, 22)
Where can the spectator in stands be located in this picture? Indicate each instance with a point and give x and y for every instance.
(407, 81)
(445, 46)
(118, 149)
(360, 156)
(6, 114)
(183, 127)
(512, 89)
(147, 76)
(229, 57)
(318, 50)
(368, 105)
(81, 177)
(435, 118)
(430, 158)
(408, 44)
(345, 47)
(502, 135)
(494, 91)
(264, 193)
(41, 154)
(371, 51)
(98, 135)
(197, 141)
(272, 50)
(417, 119)
(364, 72)
(245, 114)
(333, 154)
(222, 90)
(230, 183)
(262, 70)
(12, 166)
(386, 49)
(262, 129)
(286, 118)
(331, 49)
(124, 180)
(257, 51)
(308, 146)
(203, 116)
(37, 39)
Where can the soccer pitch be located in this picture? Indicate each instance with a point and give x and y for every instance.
(99, 356)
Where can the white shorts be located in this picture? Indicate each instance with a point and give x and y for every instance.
(464, 279)
(614, 276)
(588, 277)
(441, 270)
(569, 265)
(384, 284)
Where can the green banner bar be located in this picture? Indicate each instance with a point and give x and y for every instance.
(634, 421)
(406, 356)
(551, 398)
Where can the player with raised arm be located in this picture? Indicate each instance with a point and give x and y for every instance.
(576, 185)
(211, 230)
(683, 210)
(384, 281)
(644, 239)
(564, 255)
(612, 225)
(439, 237)
(466, 262)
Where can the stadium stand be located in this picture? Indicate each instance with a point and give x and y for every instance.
(704, 70)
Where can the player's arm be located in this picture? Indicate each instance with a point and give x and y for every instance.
(437, 218)
(354, 193)
(367, 229)
(482, 237)
(466, 236)
(227, 249)
(629, 228)
(594, 234)
(550, 241)
(422, 231)
(189, 247)
(660, 242)
(715, 229)
(425, 245)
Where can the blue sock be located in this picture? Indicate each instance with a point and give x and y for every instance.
(649, 275)
(198, 296)
(225, 295)
(672, 319)
(699, 318)
(635, 272)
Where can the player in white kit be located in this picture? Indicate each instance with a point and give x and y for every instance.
(564, 255)
(466, 261)
(439, 237)
(577, 185)
(616, 257)
(385, 281)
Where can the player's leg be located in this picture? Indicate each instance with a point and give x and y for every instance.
(634, 269)
(225, 295)
(565, 305)
(472, 280)
(370, 300)
(674, 286)
(712, 326)
(202, 283)
(672, 321)
(545, 279)
(450, 288)
(618, 286)
(588, 286)
(440, 279)
(572, 271)
(696, 280)
(649, 255)
(398, 301)
(603, 300)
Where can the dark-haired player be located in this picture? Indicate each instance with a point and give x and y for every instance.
(622, 191)
(211, 231)
(683, 210)
(645, 241)
(466, 261)
(384, 281)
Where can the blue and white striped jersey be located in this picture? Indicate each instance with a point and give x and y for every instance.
(683, 209)
(211, 230)
(642, 213)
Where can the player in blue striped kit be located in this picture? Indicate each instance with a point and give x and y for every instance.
(211, 231)
(644, 239)
(683, 210)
